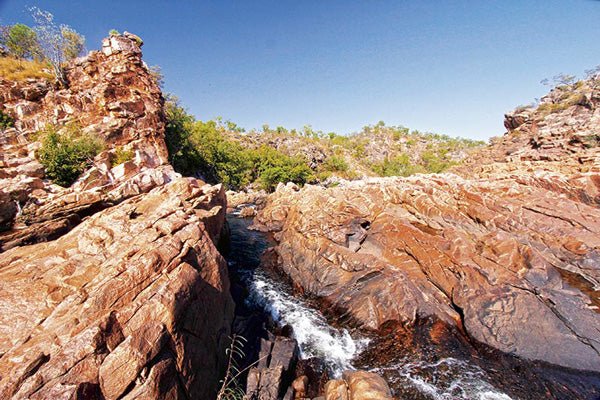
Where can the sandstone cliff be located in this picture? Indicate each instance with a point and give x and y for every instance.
(508, 254)
(113, 287)
(111, 94)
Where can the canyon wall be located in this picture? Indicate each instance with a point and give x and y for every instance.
(113, 287)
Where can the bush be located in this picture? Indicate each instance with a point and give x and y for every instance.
(66, 155)
(5, 121)
(335, 164)
(121, 156)
(198, 148)
(397, 166)
(272, 167)
(21, 41)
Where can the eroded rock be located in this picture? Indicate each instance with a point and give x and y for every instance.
(514, 260)
(132, 303)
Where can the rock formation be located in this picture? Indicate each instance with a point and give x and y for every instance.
(509, 253)
(110, 94)
(358, 385)
(131, 303)
(113, 287)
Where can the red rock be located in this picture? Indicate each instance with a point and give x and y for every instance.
(132, 302)
(487, 255)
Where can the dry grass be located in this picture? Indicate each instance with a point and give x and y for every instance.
(18, 70)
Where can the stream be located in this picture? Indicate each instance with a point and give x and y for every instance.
(263, 301)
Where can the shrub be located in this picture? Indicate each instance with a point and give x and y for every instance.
(67, 154)
(20, 70)
(397, 166)
(6, 121)
(335, 164)
(58, 43)
(121, 156)
(183, 156)
(435, 162)
(272, 167)
(113, 32)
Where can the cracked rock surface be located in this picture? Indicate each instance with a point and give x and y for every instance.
(513, 260)
(132, 303)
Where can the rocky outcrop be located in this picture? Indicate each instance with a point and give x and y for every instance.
(132, 303)
(561, 134)
(270, 378)
(110, 94)
(514, 261)
(112, 288)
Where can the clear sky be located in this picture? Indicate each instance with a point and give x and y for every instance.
(447, 66)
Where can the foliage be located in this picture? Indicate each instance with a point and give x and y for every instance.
(230, 387)
(201, 149)
(183, 156)
(6, 121)
(335, 164)
(121, 156)
(58, 43)
(66, 154)
(21, 41)
(223, 160)
(74, 43)
(397, 166)
(156, 74)
(113, 32)
(20, 70)
(272, 167)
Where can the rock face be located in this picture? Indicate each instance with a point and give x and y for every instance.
(513, 261)
(112, 288)
(110, 94)
(132, 303)
(561, 134)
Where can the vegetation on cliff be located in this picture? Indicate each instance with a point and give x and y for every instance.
(67, 153)
(203, 149)
(47, 46)
(221, 151)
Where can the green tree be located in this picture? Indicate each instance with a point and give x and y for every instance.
(58, 43)
(73, 43)
(21, 41)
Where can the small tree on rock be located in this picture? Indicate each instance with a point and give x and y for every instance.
(58, 43)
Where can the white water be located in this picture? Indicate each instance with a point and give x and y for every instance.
(316, 338)
(446, 379)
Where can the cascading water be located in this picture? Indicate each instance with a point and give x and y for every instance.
(447, 378)
(316, 338)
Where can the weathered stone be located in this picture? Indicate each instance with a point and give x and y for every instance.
(133, 302)
(364, 385)
(491, 256)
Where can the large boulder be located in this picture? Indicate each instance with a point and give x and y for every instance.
(132, 303)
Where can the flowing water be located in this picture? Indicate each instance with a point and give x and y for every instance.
(437, 378)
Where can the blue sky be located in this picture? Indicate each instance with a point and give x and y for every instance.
(447, 66)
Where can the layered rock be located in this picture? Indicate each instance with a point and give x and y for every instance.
(561, 134)
(132, 303)
(513, 261)
(110, 94)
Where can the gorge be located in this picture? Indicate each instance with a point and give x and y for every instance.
(480, 282)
